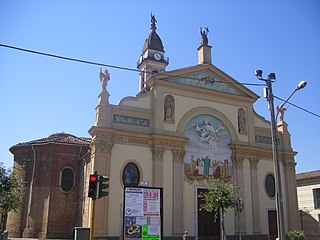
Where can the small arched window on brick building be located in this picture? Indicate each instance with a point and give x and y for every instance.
(66, 179)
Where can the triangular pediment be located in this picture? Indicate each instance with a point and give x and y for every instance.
(207, 76)
(207, 80)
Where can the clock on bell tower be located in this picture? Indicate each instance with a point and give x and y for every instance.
(152, 58)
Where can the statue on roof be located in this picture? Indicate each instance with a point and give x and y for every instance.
(153, 22)
(280, 111)
(204, 35)
(104, 78)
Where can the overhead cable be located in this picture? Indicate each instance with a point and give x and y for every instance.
(117, 67)
(303, 109)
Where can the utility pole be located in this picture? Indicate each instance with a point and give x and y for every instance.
(278, 187)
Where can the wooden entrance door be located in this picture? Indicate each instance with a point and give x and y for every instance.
(208, 229)
(272, 220)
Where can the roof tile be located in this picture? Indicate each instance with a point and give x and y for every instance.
(308, 175)
(63, 138)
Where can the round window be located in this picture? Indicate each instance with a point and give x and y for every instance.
(66, 179)
(131, 175)
(270, 185)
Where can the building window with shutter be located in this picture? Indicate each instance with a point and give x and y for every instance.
(66, 179)
(316, 197)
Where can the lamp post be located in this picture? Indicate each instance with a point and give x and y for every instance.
(268, 94)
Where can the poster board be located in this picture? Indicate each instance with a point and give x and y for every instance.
(142, 213)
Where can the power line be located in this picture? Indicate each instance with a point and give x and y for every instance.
(116, 67)
(136, 70)
(67, 58)
(303, 109)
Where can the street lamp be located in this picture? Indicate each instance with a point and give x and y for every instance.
(301, 85)
(268, 94)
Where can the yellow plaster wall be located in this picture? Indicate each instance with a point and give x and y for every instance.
(264, 168)
(167, 192)
(121, 155)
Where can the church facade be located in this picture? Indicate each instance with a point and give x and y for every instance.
(184, 127)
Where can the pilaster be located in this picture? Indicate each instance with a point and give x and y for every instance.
(157, 155)
(255, 195)
(178, 180)
(291, 200)
(237, 165)
(101, 148)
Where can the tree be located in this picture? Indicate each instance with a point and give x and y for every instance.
(219, 197)
(11, 193)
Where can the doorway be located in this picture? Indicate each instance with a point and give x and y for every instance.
(208, 227)
(272, 221)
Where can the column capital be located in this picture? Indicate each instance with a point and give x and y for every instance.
(254, 163)
(100, 146)
(158, 153)
(178, 155)
(237, 161)
(289, 166)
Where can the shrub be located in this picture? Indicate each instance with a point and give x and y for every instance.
(296, 235)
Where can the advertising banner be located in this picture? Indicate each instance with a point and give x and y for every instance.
(142, 213)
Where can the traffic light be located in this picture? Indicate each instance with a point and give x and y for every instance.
(102, 185)
(93, 185)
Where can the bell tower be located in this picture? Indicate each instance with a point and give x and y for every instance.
(152, 58)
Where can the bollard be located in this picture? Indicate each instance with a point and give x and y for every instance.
(185, 236)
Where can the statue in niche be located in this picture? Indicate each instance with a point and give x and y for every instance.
(104, 78)
(168, 108)
(242, 121)
(204, 35)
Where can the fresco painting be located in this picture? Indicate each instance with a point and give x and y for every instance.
(207, 153)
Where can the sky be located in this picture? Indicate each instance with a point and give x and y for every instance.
(40, 95)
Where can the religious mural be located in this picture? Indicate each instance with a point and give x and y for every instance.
(207, 153)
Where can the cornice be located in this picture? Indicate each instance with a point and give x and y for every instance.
(256, 152)
(133, 138)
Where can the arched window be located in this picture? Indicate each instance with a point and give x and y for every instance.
(131, 175)
(66, 179)
(270, 185)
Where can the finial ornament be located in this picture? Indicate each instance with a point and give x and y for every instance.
(104, 78)
(204, 35)
(153, 22)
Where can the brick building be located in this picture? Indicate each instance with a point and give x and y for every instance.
(54, 170)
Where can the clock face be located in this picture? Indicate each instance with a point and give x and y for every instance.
(157, 56)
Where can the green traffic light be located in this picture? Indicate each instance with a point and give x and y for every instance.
(102, 186)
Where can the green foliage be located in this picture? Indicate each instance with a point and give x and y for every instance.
(11, 193)
(296, 235)
(219, 195)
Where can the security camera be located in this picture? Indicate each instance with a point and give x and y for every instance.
(258, 73)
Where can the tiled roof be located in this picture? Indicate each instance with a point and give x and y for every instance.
(308, 175)
(62, 138)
